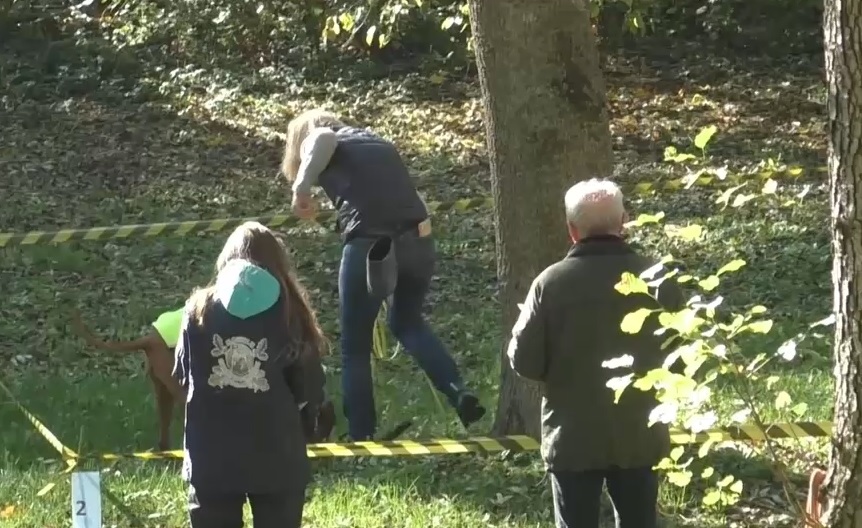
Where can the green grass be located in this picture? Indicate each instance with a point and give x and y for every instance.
(113, 157)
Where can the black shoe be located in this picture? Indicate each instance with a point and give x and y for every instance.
(389, 436)
(469, 410)
(397, 431)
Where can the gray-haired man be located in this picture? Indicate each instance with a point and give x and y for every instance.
(569, 325)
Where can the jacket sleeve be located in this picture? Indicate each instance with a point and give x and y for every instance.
(315, 152)
(670, 296)
(527, 351)
(181, 354)
(306, 381)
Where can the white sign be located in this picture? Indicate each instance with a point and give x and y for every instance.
(86, 500)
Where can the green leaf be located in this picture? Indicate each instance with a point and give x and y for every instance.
(369, 35)
(447, 23)
(346, 21)
(670, 153)
(759, 327)
(787, 350)
(782, 400)
(688, 233)
(679, 158)
(799, 409)
(645, 218)
(679, 478)
(724, 198)
(740, 416)
(770, 187)
(652, 378)
(828, 321)
(758, 361)
(757, 310)
(707, 472)
(725, 481)
(685, 321)
(624, 361)
(665, 413)
(701, 422)
(703, 451)
(634, 321)
(733, 265)
(742, 199)
(736, 487)
(44, 491)
(710, 283)
(676, 453)
(711, 498)
(618, 385)
(704, 136)
(630, 283)
(653, 270)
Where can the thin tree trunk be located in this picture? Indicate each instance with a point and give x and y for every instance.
(547, 124)
(843, 43)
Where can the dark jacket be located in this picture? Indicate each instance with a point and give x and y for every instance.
(569, 325)
(370, 186)
(243, 430)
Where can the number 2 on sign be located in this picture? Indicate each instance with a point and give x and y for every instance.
(86, 501)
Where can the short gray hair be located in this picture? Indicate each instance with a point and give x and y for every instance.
(595, 207)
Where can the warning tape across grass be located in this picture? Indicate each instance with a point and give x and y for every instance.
(191, 227)
(481, 444)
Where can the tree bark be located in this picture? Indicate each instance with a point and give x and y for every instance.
(842, 24)
(547, 125)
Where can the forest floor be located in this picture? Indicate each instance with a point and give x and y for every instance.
(82, 148)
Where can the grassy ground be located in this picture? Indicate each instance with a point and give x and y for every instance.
(83, 149)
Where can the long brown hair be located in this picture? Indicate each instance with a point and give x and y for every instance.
(256, 243)
(297, 130)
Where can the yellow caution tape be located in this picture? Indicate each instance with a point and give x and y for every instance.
(479, 444)
(181, 229)
(518, 443)
(753, 433)
(68, 455)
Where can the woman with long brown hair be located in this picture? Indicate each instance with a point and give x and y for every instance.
(249, 357)
(371, 188)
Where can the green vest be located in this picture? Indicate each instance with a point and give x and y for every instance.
(168, 326)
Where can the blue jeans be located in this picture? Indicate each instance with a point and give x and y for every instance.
(577, 497)
(416, 261)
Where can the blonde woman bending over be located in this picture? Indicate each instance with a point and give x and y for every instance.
(371, 188)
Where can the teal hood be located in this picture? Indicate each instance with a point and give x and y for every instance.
(246, 289)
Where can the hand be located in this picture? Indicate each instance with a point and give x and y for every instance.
(303, 206)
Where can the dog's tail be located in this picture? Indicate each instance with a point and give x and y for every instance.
(115, 346)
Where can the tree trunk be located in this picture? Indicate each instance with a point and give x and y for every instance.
(547, 124)
(843, 43)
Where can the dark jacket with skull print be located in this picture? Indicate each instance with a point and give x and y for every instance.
(243, 430)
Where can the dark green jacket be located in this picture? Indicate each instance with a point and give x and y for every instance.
(569, 325)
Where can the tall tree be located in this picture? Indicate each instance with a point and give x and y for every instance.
(547, 125)
(842, 23)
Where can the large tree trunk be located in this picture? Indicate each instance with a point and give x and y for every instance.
(843, 43)
(547, 124)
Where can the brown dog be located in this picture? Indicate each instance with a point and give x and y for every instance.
(160, 363)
